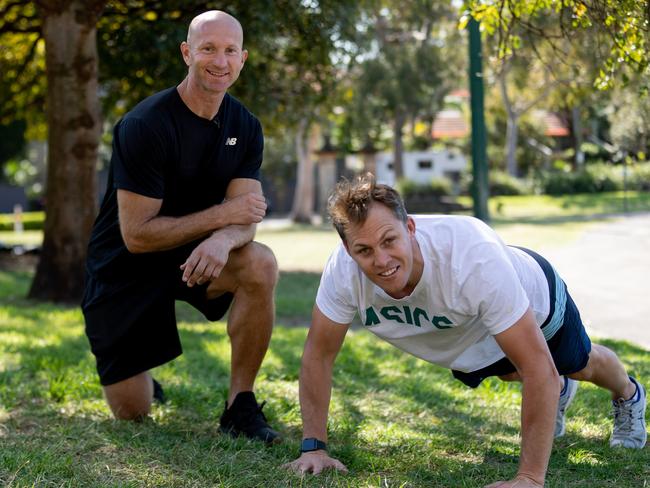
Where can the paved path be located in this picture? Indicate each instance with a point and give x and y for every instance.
(608, 273)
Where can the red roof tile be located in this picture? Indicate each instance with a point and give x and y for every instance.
(449, 123)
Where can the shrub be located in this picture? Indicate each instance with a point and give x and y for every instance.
(426, 197)
(502, 183)
(437, 187)
(638, 177)
(593, 178)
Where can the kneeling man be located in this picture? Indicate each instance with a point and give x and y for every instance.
(446, 289)
(177, 223)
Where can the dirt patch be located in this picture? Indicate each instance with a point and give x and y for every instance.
(9, 261)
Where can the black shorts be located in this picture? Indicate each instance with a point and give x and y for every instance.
(569, 346)
(132, 327)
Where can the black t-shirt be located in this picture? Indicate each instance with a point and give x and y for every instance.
(163, 150)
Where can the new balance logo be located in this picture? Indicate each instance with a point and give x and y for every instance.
(231, 141)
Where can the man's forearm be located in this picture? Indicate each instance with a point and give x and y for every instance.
(315, 393)
(538, 410)
(161, 233)
(235, 236)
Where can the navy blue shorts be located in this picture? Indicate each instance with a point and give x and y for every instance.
(565, 334)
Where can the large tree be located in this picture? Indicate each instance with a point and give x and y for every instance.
(68, 30)
(628, 113)
(523, 84)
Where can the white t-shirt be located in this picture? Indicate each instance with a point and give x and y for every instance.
(472, 287)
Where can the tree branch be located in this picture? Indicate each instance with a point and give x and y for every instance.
(10, 29)
(30, 56)
(504, 89)
(549, 86)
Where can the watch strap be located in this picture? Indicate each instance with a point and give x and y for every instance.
(312, 444)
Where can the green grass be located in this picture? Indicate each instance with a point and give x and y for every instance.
(547, 208)
(27, 237)
(30, 220)
(395, 421)
(300, 248)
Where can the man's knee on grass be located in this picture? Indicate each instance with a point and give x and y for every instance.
(130, 399)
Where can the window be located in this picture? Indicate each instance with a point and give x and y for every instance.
(425, 164)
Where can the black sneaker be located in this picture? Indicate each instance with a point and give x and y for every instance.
(245, 417)
(158, 393)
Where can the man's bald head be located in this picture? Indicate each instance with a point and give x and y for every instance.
(214, 19)
(213, 53)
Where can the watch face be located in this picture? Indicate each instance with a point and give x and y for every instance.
(311, 444)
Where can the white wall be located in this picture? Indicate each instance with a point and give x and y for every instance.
(442, 163)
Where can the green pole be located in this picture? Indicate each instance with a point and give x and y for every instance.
(479, 138)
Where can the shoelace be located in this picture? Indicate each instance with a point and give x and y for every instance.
(253, 413)
(623, 417)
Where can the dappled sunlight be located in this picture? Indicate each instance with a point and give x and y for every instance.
(582, 456)
(283, 359)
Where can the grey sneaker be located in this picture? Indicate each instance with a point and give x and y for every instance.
(570, 388)
(629, 421)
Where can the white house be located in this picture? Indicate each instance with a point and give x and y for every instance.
(421, 166)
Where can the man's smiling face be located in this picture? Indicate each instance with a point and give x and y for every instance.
(386, 250)
(214, 54)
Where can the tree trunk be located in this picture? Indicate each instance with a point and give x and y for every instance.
(577, 137)
(398, 145)
(515, 111)
(512, 131)
(73, 118)
(512, 138)
(303, 198)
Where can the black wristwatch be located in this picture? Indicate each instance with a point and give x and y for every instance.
(312, 444)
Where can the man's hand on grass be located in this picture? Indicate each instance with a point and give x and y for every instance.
(315, 462)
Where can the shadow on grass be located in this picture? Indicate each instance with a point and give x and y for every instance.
(41, 443)
(14, 284)
(425, 393)
(295, 295)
